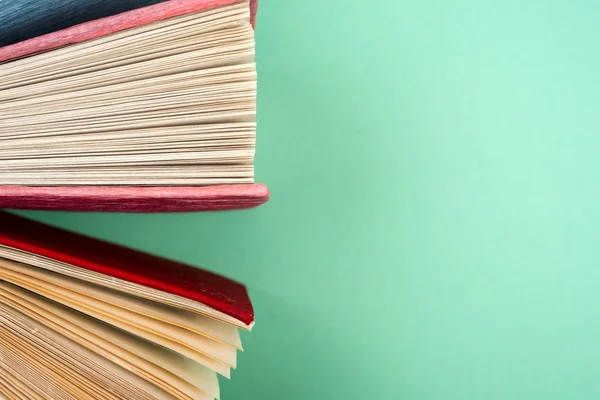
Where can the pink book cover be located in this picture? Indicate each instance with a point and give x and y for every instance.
(126, 198)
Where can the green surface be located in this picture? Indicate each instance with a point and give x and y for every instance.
(434, 229)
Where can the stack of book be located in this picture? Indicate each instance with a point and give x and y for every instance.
(144, 111)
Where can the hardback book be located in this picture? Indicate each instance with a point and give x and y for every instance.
(85, 319)
(149, 110)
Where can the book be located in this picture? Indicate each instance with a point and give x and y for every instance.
(153, 109)
(82, 318)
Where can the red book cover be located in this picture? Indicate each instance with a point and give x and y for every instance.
(215, 291)
(126, 198)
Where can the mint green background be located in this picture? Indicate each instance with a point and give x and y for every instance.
(434, 229)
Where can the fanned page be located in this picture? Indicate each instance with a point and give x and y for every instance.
(150, 110)
(168, 103)
(67, 332)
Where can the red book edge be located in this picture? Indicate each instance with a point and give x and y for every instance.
(215, 291)
(126, 198)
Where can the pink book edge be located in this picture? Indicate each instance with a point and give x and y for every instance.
(134, 199)
(115, 23)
